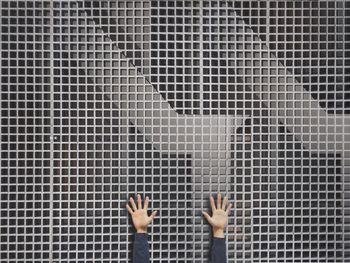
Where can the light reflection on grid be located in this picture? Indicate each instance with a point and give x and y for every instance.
(177, 100)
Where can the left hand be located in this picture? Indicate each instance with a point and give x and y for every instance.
(219, 218)
(139, 215)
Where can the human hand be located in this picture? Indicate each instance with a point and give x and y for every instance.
(139, 215)
(219, 218)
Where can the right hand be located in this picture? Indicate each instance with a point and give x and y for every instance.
(139, 215)
(219, 217)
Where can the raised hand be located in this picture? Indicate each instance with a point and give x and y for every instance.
(139, 215)
(219, 217)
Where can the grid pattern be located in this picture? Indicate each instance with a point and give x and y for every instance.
(310, 39)
(25, 131)
(101, 156)
(176, 100)
(293, 205)
(128, 24)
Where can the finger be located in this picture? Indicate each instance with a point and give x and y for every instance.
(219, 201)
(212, 203)
(145, 206)
(207, 217)
(129, 209)
(139, 205)
(228, 209)
(152, 216)
(133, 203)
(224, 203)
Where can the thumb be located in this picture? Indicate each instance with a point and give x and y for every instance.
(228, 209)
(152, 216)
(207, 217)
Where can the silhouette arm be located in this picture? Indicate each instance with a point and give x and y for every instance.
(141, 249)
(218, 250)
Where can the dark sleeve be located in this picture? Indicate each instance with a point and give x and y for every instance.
(218, 250)
(141, 250)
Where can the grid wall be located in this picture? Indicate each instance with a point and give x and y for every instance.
(25, 131)
(176, 100)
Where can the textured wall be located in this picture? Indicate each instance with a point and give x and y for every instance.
(177, 100)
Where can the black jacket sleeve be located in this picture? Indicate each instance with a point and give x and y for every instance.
(218, 250)
(141, 250)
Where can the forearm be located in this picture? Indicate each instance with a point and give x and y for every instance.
(141, 249)
(218, 250)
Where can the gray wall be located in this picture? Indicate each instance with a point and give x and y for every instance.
(176, 100)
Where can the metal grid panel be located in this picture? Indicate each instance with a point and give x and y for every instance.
(176, 100)
(102, 156)
(25, 131)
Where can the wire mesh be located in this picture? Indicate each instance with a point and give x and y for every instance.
(176, 100)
